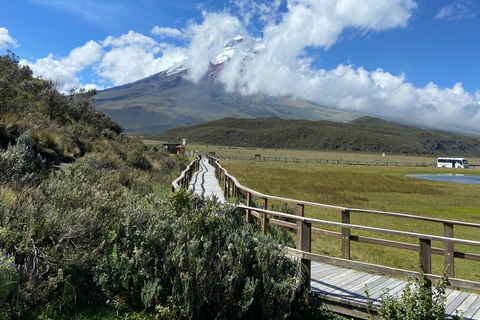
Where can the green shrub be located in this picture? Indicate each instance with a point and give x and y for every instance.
(8, 275)
(19, 163)
(198, 258)
(418, 301)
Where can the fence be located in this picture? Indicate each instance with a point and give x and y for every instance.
(328, 161)
(186, 175)
(303, 227)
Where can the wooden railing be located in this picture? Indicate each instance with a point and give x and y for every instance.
(304, 230)
(184, 179)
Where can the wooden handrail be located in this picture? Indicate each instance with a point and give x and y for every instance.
(304, 229)
(363, 228)
(184, 179)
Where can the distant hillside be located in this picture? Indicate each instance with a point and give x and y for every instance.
(366, 134)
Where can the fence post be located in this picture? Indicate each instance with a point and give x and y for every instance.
(264, 216)
(426, 255)
(228, 187)
(249, 204)
(300, 213)
(448, 250)
(346, 235)
(304, 234)
(225, 188)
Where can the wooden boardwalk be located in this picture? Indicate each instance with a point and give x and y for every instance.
(205, 183)
(343, 291)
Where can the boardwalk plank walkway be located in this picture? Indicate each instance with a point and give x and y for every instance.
(347, 287)
(205, 183)
(344, 288)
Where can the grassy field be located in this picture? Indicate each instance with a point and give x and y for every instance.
(376, 188)
(384, 188)
(367, 187)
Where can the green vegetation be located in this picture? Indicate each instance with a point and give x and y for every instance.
(418, 301)
(90, 230)
(375, 188)
(364, 135)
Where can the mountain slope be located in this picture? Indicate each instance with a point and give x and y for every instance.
(167, 99)
(365, 134)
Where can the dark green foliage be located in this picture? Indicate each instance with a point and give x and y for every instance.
(362, 135)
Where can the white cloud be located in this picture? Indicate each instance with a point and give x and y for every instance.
(280, 66)
(66, 69)
(207, 39)
(167, 32)
(6, 40)
(456, 10)
(134, 56)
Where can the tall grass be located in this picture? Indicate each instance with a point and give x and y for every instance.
(375, 188)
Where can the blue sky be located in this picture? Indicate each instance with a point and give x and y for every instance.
(402, 58)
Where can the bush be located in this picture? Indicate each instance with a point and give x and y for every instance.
(19, 163)
(418, 301)
(8, 275)
(198, 259)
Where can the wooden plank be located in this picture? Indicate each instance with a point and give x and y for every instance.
(325, 281)
(379, 290)
(371, 278)
(323, 274)
(451, 297)
(338, 284)
(453, 305)
(397, 289)
(472, 309)
(476, 316)
(372, 285)
(467, 302)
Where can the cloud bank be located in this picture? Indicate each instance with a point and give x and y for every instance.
(275, 60)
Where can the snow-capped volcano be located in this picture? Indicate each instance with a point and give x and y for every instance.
(240, 46)
(170, 98)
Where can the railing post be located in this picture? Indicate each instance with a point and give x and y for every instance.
(304, 234)
(264, 216)
(426, 255)
(448, 250)
(249, 204)
(346, 235)
(300, 213)
(225, 188)
(228, 187)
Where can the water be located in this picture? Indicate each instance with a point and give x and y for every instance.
(457, 178)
